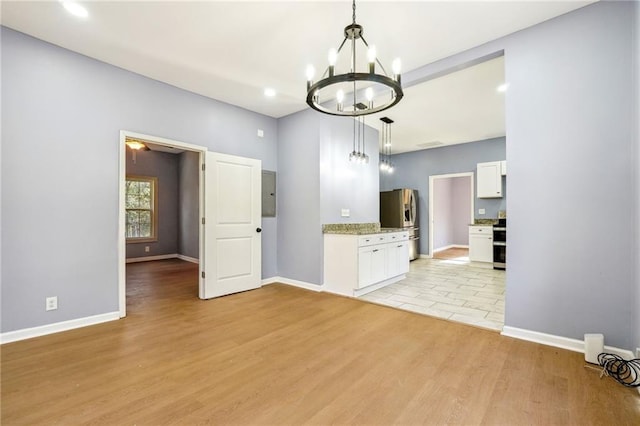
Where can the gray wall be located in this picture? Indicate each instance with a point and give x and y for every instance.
(164, 166)
(442, 206)
(298, 201)
(637, 177)
(189, 204)
(461, 200)
(570, 131)
(414, 168)
(315, 182)
(344, 184)
(452, 203)
(62, 113)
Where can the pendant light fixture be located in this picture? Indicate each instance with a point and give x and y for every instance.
(385, 149)
(327, 95)
(358, 157)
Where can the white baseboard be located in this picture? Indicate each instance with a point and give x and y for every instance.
(559, 341)
(188, 258)
(295, 283)
(425, 256)
(149, 258)
(28, 333)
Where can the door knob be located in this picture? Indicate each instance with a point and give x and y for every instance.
(258, 229)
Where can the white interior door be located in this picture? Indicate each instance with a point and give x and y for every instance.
(232, 238)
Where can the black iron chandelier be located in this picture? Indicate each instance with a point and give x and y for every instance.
(327, 95)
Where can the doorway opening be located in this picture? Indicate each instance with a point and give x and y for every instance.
(451, 209)
(177, 206)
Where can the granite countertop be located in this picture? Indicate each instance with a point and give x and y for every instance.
(356, 228)
(484, 222)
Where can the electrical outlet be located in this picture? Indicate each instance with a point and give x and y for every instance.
(345, 213)
(51, 303)
(146, 249)
(481, 211)
(260, 133)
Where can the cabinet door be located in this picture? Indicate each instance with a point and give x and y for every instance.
(372, 265)
(489, 177)
(481, 248)
(397, 259)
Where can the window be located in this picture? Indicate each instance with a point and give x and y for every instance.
(141, 208)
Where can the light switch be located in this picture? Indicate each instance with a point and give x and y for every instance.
(345, 213)
(480, 211)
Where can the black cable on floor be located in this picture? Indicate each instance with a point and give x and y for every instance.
(625, 372)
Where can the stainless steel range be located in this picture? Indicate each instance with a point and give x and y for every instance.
(500, 244)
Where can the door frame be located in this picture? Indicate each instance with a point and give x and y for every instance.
(432, 179)
(122, 173)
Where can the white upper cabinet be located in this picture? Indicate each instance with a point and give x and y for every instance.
(489, 180)
(503, 166)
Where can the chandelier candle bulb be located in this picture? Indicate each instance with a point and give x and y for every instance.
(311, 72)
(369, 95)
(371, 56)
(396, 67)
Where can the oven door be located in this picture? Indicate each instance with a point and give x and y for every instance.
(500, 233)
(499, 255)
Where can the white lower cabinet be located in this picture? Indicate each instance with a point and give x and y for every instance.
(481, 243)
(355, 265)
(371, 265)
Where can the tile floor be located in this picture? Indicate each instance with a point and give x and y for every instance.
(453, 289)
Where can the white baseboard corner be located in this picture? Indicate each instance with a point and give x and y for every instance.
(28, 333)
(574, 345)
(294, 283)
(150, 258)
(188, 258)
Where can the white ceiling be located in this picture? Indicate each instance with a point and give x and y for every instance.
(460, 107)
(232, 50)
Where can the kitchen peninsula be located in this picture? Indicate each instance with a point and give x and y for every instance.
(362, 257)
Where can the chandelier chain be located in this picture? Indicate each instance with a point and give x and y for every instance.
(354, 11)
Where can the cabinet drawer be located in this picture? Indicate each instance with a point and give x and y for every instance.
(397, 236)
(368, 240)
(481, 230)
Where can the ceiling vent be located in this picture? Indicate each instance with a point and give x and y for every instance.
(431, 144)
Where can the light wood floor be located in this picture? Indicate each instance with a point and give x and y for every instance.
(454, 253)
(282, 355)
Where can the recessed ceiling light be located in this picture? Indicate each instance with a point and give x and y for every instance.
(76, 9)
(269, 92)
(503, 87)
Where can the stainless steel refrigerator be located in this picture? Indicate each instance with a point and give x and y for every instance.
(399, 209)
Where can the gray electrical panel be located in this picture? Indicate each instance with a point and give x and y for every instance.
(268, 193)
